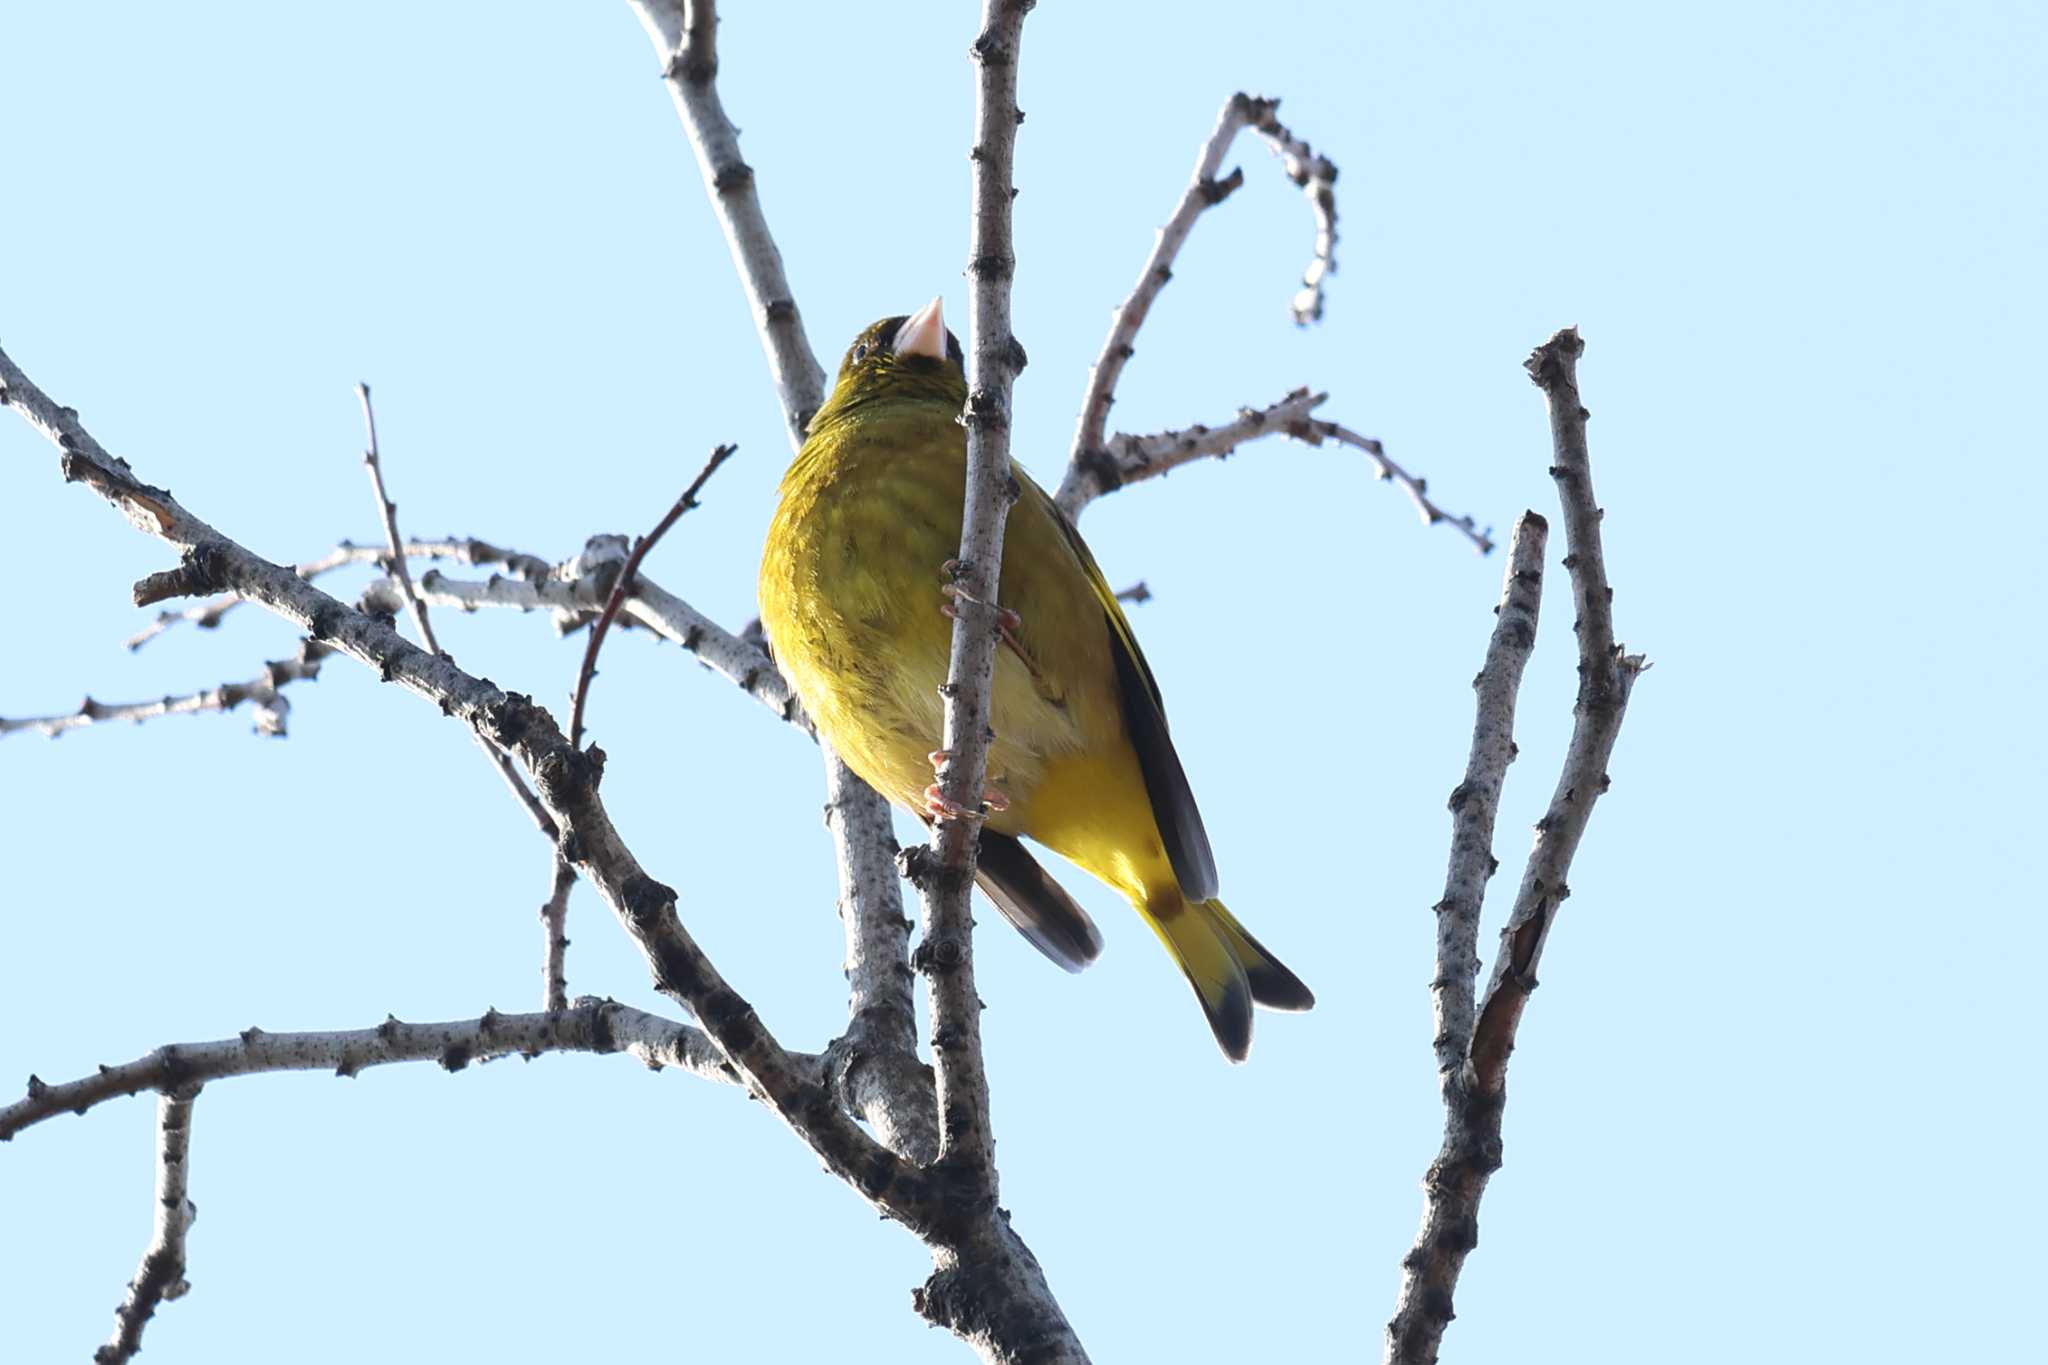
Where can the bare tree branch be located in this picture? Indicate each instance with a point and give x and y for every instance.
(272, 708)
(393, 562)
(1315, 431)
(565, 780)
(554, 922)
(459, 549)
(1475, 801)
(554, 913)
(1607, 675)
(1317, 176)
(1313, 173)
(1127, 459)
(161, 1277)
(624, 585)
(576, 593)
(686, 37)
(875, 1064)
(592, 1025)
(985, 1286)
(1475, 1087)
(946, 954)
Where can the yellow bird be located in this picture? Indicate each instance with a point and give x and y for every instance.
(854, 597)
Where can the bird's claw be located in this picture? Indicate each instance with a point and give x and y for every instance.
(1008, 622)
(939, 807)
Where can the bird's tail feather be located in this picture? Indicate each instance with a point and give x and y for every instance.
(1204, 956)
(1272, 984)
(1228, 968)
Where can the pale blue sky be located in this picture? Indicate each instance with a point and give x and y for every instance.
(1778, 1098)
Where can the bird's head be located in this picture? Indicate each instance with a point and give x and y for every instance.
(902, 357)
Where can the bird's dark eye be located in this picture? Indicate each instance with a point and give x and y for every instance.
(860, 353)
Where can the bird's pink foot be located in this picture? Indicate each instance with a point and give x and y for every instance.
(939, 808)
(1008, 622)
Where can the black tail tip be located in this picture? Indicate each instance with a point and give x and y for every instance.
(1230, 1019)
(1279, 989)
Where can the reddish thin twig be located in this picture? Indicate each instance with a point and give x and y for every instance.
(388, 511)
(624, 586)
(554, 914)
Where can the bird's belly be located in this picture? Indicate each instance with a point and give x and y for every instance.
(853, 605)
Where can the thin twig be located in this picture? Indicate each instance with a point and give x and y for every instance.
(624, 585)
(1205, 190)
(688, 45)
(554, 919)
(1315, 431)
(1138, 592)
(591, 1025)
(1475, 1090)
(395, 558)
(207, 615)
(161, 1277)
(1317, 176)
(555, 941)
(1126, 459)
(272, 708)
(578, 593)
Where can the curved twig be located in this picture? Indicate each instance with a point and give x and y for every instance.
(1315, 174)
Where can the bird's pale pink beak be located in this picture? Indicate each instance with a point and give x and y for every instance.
(924, 333)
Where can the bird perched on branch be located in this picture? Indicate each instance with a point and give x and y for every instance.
(854, 593)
